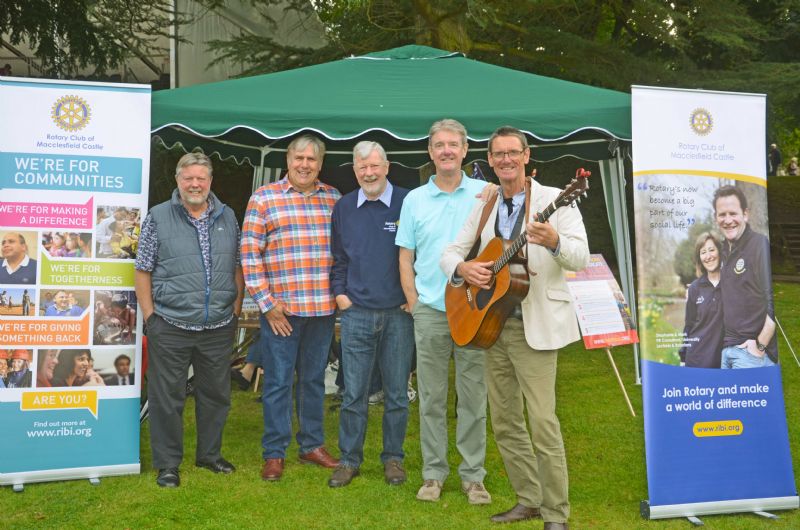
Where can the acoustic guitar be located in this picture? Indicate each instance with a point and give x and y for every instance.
(477, 316)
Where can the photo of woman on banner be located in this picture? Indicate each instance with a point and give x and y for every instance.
(749, 313)
(703, 324)
(18, 264)
(19, 374)
(46, 363)
(67, 304)
(74, 368)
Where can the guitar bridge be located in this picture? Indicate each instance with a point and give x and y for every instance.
(470, 299)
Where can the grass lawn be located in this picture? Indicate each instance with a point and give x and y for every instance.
(605, 450)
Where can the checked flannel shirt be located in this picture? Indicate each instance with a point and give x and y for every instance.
(286, 251)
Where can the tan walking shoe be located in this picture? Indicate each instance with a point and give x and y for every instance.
(476, 492)
(430, 491)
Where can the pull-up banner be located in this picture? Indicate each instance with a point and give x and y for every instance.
(74, 159)
(716, 439)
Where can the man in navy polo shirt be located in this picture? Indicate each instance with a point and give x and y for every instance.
(16, 266)
(749, 314)
(377, 328)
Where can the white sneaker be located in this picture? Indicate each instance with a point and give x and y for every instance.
(430, 491)
(376, 398)
(412, 394)
(476, 493)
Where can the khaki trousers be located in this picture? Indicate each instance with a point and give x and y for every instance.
(518, 376)
(435, 347)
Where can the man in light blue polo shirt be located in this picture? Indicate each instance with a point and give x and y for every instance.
(430, 218)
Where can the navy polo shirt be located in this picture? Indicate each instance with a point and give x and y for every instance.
(703, 329)
(746, 282)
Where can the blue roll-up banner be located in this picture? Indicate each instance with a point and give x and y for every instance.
(74, 159)
(716, 439)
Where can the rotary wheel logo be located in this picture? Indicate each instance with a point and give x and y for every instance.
(701, 121)
(71, 113)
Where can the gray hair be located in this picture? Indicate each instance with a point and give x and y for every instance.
(301, 142)
(448, 124)
(194, 159)
(363, 149)
(507, 130)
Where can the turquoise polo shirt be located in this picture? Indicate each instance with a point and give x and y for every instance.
(429, 220)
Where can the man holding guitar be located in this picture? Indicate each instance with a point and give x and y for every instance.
(521, 364)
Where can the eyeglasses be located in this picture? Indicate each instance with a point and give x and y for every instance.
(514, 154)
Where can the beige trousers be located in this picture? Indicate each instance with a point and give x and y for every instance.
(518, 376)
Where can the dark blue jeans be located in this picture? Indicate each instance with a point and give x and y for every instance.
(305, 352)
(370, 337)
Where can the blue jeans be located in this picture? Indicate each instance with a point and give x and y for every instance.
(370, 337)
(734, 357)
(305, 352)
(254, 352)
(374, 385)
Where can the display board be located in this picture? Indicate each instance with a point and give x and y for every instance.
(74, 162)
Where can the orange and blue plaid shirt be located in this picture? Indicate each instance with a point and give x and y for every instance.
(286, 252)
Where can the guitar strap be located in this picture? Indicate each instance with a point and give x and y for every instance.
(487, 209)
(521, 256)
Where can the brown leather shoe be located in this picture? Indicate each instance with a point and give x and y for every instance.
(517, 513)
(556, 526)
(273, 469)
(320, 457)
(342, 476)
(394, 473)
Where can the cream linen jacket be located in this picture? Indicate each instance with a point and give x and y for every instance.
(547, 312)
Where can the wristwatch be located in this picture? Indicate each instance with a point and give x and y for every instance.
(761, 347)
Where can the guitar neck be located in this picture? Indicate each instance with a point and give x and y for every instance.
(520, 241)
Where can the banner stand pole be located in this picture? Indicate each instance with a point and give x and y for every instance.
(619, 380)
(787, 341)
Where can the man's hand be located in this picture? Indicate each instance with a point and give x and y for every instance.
(752, 348)
(487, 192)
(542, 234)
(477, 273)
(276, 317)
(343, 302)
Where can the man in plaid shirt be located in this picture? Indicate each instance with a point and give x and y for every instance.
(286, 259)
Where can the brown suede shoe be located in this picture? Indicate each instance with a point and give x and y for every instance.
(342, 476)
(517, 513)
(394, 473)
(556, 526)
(320, 457)
(273, 469)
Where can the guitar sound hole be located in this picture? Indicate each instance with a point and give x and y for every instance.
(484, 296)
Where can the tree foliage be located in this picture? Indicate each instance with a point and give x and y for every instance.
(69, 34)
(741, 45)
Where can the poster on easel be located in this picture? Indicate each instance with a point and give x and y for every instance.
(74, 164)
(716, 438)
(603, 314)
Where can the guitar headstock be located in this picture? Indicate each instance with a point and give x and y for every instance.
(576, 188)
